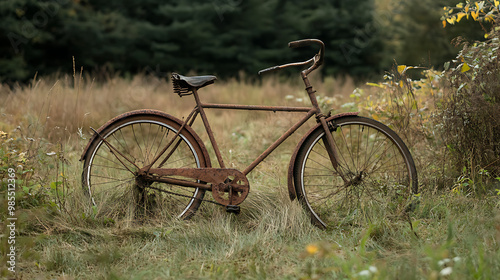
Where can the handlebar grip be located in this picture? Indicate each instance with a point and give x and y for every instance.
(274, 68)
(300, 43)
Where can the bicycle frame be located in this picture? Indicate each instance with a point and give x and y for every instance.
(227, 180)
(314, 110)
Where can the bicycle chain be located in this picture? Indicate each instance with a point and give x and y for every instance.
(187, 196)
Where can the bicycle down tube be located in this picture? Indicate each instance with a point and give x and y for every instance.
(270, 149)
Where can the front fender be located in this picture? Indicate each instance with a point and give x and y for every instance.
(291, 181)
(149, 112)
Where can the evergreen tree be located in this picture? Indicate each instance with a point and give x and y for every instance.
(221, 37)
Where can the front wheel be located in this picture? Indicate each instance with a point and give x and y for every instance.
(375, 176)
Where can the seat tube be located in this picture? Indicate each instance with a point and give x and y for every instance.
(208, 129)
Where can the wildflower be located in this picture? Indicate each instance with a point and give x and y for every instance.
(80, 133)
(312, 249)
(364, 273)
(446, 271)
(443, 262)
(3, 134)
(22, 157)
(348, 104)
(367, 272)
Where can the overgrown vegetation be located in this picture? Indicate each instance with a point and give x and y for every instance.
(272, 238)
(471, 110)
(449, 119)
(451, 116)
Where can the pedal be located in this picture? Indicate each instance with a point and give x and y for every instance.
(235, 209)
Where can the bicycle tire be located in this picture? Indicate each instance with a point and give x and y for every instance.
(116, 192)
(379, 170)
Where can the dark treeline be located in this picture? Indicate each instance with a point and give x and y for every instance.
(215, 37)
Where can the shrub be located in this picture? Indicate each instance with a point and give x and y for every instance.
(470, 109)
(470, 112)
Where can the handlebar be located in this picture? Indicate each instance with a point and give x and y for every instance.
(316, 61)
(308, 42)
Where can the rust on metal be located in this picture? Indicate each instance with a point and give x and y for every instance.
(233, 191)
(278, 142)
(229, 186)
(255, 107)
(170, 143)
(291, 184)
(180, 182)
(208, 129)
(113, 151)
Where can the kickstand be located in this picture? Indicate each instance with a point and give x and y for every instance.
(235, 209)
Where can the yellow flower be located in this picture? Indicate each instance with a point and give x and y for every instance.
(3, 134)
(312, 249)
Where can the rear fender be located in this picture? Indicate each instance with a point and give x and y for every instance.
(146, 112)
(291, 181)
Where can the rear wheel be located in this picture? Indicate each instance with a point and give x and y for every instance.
(110, 178)
(375, 177)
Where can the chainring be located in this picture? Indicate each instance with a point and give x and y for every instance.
(233, 191)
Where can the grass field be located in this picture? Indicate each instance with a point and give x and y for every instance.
(452, 234)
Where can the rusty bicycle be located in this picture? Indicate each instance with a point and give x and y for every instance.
(147, 162)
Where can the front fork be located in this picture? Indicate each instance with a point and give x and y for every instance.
(330, 147)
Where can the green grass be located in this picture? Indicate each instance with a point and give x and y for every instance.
(272, 238)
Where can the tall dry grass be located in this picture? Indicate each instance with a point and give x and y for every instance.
(52, 117)
(61, 111)
(63, 105)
